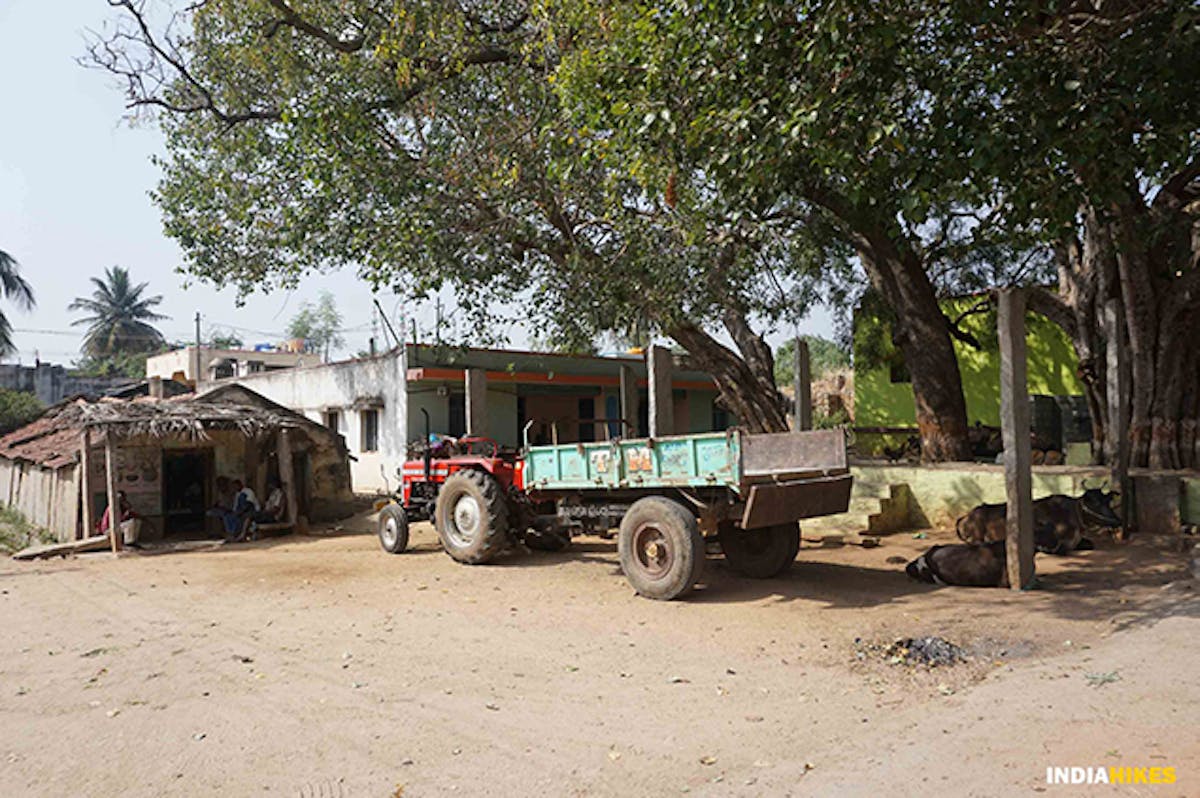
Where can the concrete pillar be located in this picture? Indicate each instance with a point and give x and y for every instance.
(629, 402)
(477, 402)
(1014, 427)
(1116, 437)
(156, 387)
(803, 386)
(662, 404)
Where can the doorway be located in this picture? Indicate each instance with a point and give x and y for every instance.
(185, 491)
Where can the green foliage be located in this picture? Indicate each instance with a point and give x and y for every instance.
(17, 533)
(119, 364)
(318, 325)
(119, 317)
(15, 288)
(824, 356)
(17, 408)
(225, 339)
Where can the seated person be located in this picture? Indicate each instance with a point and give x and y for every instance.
(127, 523)
(245, 505)
(274, 509)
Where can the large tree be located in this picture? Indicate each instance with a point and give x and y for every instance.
(119, 317)
(1084, 116)
(425, 145)
(801, 109)
(19, 291)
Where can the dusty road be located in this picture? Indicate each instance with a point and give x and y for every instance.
(319, 666)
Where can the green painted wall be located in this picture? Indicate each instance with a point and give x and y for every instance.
(879, 402)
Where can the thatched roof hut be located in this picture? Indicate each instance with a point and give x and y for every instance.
(47, 473)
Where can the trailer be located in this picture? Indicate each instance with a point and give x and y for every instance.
(667, 497)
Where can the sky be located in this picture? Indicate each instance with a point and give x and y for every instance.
(74, 200)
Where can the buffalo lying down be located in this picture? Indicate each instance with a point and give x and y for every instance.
(1058, 521)
(984, 565)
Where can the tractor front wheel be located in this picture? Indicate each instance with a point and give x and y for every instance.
(472, 517)
(393, 528)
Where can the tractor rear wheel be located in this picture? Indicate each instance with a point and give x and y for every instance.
(759, 553)
(393, 528)
(472, 517)
(660, 547)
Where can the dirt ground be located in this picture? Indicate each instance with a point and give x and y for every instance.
(320, 666)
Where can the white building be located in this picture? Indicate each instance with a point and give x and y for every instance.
(210, 363)
(363, 399)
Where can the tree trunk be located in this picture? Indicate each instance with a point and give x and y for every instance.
(922, 334)
(745, 382)
(1144, 256)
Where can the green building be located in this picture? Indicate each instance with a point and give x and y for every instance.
(883, 398)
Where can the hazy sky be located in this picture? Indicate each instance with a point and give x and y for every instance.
(73, 199)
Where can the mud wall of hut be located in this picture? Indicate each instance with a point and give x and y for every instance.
(48, 498)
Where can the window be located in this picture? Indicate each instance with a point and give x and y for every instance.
(333, 420)
(720, 418)
(369, 429)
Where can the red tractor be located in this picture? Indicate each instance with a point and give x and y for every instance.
(471, 489)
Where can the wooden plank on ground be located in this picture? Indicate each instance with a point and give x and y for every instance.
(94, 543)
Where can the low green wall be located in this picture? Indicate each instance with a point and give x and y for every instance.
(943, 493)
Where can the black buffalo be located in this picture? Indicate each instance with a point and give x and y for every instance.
(1059, 521)
(962, 564)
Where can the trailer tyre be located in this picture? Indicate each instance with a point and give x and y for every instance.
(760, 553)
(471, 517)
(393, 528)
(660, 547)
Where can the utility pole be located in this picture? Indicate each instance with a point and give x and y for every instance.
(196, 373)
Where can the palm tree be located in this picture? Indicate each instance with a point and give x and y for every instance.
(119, 316)
(14, 287)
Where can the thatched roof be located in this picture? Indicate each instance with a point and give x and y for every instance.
(185, 417)
(54, 439)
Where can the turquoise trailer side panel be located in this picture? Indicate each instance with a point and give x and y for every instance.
(708, 459)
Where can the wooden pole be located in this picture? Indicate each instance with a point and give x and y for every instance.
(287, 476)
(116, 539)
(1117, 374)
(1014, 427)
(85, 483)
(803, 386)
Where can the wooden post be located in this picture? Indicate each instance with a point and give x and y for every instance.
(477, 411)
(1014, 427)
(1116, 437)
(116, 539)
(662, 403)
(287, 475)
(803, 386)
(629, 403)
(85, 483)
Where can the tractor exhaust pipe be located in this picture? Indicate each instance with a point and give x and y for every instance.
(428, 451)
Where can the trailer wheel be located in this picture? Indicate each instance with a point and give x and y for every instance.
(661, 550)
(760, 553)
(472, 517)
(393, 528)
